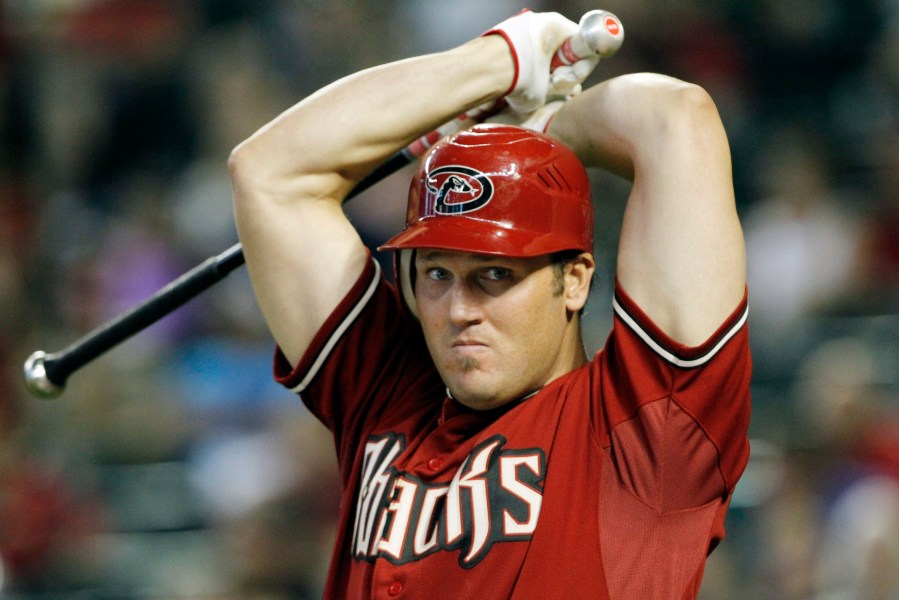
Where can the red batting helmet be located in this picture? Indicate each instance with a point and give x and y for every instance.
(497, 189)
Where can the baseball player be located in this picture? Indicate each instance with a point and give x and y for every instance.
(483, 454)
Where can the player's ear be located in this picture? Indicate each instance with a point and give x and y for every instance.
(404, 268)
(578, 277)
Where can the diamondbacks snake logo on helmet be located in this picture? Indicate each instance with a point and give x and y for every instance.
(458, 189)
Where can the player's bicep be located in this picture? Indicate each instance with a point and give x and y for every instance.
(303, 256)
(681, 254)
(681, 248)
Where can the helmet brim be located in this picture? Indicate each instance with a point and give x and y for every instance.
(477, 236)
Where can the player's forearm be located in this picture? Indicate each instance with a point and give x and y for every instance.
(333, 138)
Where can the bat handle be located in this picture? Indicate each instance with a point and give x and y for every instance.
(600, 33)
(38, 378)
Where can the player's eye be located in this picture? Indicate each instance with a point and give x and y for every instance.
(438, 274)
(496, 274)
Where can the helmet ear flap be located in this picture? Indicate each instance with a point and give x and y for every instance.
(406, 275)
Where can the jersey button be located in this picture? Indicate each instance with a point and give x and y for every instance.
(434, 464)
(395, 588)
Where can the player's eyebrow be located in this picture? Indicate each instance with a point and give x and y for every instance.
(436, 255)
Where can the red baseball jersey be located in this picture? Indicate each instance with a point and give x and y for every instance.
(611, 482)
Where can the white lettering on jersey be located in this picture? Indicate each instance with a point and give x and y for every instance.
(401, 511)
(376, 476)
(495, 496)
(508, 470)
(474, 482)
(423, 543)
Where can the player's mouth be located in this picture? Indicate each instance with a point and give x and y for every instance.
(468, 349)
(468, 345)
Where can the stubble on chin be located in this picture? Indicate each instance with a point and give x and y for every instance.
(469, 364)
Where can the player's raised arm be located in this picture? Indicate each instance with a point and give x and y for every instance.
(289, 178)
(681, 254)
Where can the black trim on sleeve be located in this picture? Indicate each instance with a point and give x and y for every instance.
(676, 354)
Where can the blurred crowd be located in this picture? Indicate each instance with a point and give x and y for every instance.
(174, 467)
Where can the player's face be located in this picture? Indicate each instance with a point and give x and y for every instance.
(497, 328)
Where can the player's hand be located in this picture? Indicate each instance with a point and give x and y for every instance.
(533, 39)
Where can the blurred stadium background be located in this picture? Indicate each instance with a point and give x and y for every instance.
(173, 467)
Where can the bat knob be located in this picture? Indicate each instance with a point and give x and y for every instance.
(36, 380)
(602, 31)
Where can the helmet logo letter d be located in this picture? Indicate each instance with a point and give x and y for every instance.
(459, 189)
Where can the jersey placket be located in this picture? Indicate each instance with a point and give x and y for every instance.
(390, 581)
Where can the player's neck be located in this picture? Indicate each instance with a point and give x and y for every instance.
(572, 354)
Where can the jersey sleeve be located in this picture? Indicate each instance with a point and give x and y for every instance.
(367, 356)
(675, 418)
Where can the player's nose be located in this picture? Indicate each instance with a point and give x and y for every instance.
(465, 305)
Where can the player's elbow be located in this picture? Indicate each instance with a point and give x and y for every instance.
(680, 128)
(684, 113)
(680, 96)
(695, 109)
(263, 179)
(248, 168)
(259, 175)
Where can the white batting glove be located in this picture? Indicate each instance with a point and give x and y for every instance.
(533, 39)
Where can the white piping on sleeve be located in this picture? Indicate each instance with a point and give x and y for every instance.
(340, 330)
(669, 356)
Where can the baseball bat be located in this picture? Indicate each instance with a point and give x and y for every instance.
(600, 33)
